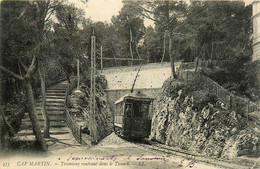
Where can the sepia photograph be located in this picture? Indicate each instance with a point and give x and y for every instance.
(130, 84)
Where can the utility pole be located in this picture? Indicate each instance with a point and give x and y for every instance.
(130, 46)
(93, 86)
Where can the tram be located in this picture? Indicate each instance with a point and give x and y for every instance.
(131, 116)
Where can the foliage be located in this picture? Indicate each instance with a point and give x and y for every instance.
(152, 46)
(200, 96)
(68, 42)
(252, 80)
(129, 29)
(221, 32)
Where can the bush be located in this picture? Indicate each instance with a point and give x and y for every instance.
(202, 98)
(194, 88)
(252, 81)
(170, 88)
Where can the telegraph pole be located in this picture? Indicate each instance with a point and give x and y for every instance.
(92, 85)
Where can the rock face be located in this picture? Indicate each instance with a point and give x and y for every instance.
(209, 129)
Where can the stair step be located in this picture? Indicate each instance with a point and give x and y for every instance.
(55, 107)
(50, 113)
(60, 86)
(52, 100)
(55, 91)
(55, 94)
(55, 124)
(48, 104)
(63, 82)
(52, 123)
(53, 131)
(40, 118)
(52, 97)
(55, 97)
(48, 108)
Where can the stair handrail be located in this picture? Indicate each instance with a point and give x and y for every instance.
(74, 127)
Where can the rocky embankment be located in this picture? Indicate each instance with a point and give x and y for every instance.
(79, 108)
(190, 118)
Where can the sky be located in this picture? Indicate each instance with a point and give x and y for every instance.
(100, 10)
(103, 10)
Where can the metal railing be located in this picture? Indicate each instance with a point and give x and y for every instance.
(74, 127)
(233, 102)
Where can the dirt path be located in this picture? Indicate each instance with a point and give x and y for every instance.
(112, 153)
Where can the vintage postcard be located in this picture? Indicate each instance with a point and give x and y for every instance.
(126, 84)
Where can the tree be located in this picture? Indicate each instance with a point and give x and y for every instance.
(24, 22)
(224, 35)
(69, 42)
(166, 15)
(152, 48)
(23, 43)
(130, 28)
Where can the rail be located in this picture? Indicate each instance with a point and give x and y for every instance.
(233, 102)
(75, 129)
(196, 157)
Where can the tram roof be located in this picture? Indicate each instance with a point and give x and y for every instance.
(135, 96)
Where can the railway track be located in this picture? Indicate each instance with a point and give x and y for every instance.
(220, 163)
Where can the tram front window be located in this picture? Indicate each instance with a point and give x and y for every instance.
(145, 110)
(137, 110)
(128, 110)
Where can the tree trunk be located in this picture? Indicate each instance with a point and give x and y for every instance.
(43, 106)
(171, 58)
(170, 39)
(136, 48)
(1, 133)
(164, 41)
(11, 129)
(32, 114)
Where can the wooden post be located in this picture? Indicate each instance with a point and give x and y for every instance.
(248, 109)
(217, 92)
(80, 136)
(230, 102)
(78, 74)
(101, 60)
(211, 55)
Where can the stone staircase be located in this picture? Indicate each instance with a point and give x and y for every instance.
(55, 107)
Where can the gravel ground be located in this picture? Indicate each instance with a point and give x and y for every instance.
(112, 152)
